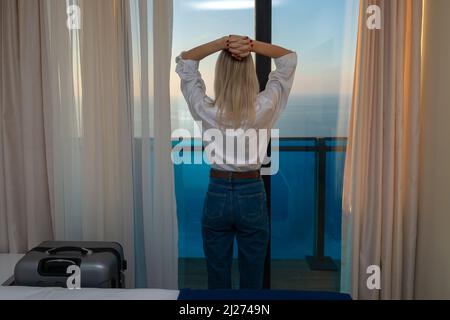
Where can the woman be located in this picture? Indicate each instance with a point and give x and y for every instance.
(235, 205)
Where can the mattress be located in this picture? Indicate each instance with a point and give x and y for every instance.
(28, 293)
(8, 261)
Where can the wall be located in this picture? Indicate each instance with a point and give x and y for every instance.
(433, 255)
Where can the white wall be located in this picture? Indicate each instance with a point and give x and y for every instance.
(433, 256)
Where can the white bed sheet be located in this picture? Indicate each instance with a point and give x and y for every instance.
(7, 263)
(28, 293)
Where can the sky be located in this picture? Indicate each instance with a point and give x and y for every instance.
(322, 32)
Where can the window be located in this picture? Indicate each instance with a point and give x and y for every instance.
(314, 127)
(323, 33)
(197, 22)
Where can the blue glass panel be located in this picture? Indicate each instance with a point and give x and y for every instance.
(297, 143)
(337, 143)
(190, 188)
(293, 206)
(333, 205)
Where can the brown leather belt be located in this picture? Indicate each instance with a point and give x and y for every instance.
(229, 175)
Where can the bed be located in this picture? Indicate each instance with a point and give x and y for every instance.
(7, 263)
(25, 293)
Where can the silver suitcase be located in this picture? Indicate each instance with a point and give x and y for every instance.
(101, 265)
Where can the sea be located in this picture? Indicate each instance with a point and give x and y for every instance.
(304, 116)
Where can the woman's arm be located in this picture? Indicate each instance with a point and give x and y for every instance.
(244, 47)
(239, 46)
(209, 48)
(268, 50)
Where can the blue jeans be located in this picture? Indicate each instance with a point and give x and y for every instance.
(235, 209)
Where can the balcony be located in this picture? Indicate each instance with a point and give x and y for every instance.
(306, 201)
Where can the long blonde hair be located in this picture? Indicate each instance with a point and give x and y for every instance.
(236, 87)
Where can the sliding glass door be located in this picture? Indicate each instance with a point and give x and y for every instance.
(306, 194)
(197, 22)
(305, 197)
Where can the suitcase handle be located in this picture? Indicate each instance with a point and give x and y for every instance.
(83, 251)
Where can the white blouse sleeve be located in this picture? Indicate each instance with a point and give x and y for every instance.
(192, 85)
(275, 97)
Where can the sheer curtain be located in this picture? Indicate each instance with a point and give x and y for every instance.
(85, 130)
(112, 177)
(381, 172)
(155, 207)
(89, 127)
(25, 218)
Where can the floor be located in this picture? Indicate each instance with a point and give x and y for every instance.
(286, 274)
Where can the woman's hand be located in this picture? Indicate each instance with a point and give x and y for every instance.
(240, 47)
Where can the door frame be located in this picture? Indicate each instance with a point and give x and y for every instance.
(263, 32)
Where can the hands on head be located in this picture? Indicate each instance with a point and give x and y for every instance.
(239, 47)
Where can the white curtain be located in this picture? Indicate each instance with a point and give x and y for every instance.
(25, 218)
(381, 172)
(90, 126)
(112, 141)
(155, 206)
(86, 121)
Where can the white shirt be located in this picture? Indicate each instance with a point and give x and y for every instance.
(269, 105)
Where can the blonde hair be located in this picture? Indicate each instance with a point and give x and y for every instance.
(236, 87)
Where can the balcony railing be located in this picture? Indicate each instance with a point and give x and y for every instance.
(321, 148)
(305, 201)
